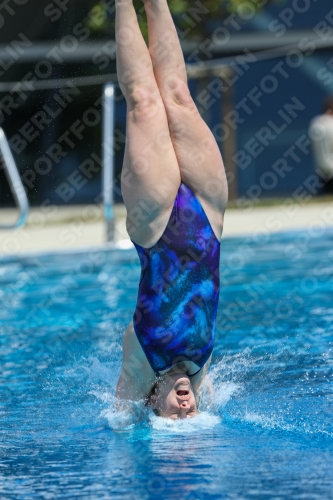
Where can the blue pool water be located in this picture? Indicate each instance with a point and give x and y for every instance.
(267, 434)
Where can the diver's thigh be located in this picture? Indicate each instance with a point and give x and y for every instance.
(150, 175)
(198, 154)
(199, 159)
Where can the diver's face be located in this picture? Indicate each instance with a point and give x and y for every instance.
(174, 398)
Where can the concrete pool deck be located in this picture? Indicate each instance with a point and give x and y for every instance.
(75, 227)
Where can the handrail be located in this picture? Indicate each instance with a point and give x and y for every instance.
(15, 183)
(108, 158)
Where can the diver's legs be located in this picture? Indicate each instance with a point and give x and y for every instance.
(150, 175)
(198, 155)
(164, 47)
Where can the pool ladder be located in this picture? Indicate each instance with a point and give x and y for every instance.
(17, 187)
(108, 159)
(15, 183)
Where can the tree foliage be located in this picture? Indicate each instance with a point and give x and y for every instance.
(196, 18)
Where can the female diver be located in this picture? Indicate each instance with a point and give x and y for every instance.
(175, 192)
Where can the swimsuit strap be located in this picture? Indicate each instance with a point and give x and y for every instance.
(158, 374)
(196, 373)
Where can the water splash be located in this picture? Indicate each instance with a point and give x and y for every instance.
(247, 388)
(125, 420)
(102, 385)
(201, 422)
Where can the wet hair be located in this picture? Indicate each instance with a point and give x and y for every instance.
(148, 401)
(328, 104)
(151, 393)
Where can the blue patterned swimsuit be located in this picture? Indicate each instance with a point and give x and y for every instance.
(178, 293)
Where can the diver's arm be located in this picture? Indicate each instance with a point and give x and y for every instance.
(137, 377)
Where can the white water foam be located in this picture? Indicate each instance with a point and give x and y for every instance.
(201, 422)
(124, 420)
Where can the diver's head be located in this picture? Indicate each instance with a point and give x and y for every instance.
(172, 396)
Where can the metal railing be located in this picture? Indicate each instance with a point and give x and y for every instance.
(15, 183)
(17, 187)
(108, 158)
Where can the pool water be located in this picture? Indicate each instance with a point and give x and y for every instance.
(268, 432)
